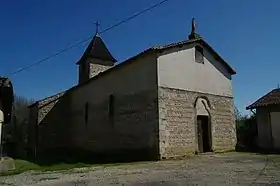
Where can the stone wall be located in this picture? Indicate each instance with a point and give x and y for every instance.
(54, 123)
(115, 111)
(126, 123)
(177, 122)
(48, 118)
(37, 112)
(95, 69)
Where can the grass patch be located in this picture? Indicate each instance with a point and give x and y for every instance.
(23, 166)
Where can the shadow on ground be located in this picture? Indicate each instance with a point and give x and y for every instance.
(73, 156)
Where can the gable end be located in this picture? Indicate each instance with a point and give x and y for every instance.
(195, 42)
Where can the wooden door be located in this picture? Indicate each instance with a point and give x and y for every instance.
(200, 134)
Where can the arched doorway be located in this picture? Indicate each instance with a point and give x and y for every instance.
(204, 129)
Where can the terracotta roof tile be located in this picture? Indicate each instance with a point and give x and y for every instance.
(271, 98)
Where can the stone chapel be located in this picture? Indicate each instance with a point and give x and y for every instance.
(165, 102)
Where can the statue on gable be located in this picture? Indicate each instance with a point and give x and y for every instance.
(194, 34)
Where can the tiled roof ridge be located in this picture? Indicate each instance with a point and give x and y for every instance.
(271, 98)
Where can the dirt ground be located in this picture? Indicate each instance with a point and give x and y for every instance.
(211, 169)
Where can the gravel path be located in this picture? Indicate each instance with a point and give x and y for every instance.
(219, 169)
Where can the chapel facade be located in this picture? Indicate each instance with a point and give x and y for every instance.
(167, 101)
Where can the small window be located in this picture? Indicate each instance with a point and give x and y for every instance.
(111, 105)
(86, 114)
(199, 57)
(111, 108)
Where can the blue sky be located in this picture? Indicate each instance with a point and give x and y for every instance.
(245, 33)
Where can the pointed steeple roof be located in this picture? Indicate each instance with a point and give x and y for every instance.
(97, 50)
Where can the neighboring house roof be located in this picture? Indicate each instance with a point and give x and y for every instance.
(97, 49)
(271, 98)
(156, 49)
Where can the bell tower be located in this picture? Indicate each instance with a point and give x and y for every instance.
(96, 59)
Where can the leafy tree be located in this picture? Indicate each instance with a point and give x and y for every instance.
(246, 128)
(15, 133)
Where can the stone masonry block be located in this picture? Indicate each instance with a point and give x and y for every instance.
(177, 121)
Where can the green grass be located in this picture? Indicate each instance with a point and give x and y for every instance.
(23, 166)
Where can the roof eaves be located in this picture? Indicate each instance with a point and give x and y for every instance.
(128, 61)
(259, 102)
(97, 76)
(60, 94)
(231, 70)
(33, 104)
(155, 48)
(175, 44)
(254, 106)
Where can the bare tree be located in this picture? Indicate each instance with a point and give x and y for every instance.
(237, 113)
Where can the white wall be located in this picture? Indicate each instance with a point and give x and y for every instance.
(275, 125)
(177, 69)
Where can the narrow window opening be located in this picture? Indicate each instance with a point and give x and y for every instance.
(86, 114)
(111, 108)
(199, 56)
